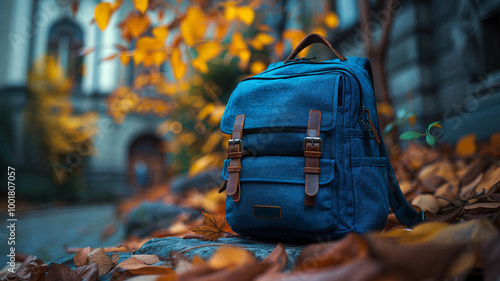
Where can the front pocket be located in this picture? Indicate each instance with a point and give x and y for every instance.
(369, 179)
(272, 195)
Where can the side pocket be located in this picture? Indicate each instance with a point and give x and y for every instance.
(371, 202)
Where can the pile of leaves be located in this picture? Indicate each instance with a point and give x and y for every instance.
(431, 251)
(452, 184)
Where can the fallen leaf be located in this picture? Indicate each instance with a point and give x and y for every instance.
(58, 272)
(102, 13)
(81, 257)
(230, 257)
(427, 202)
(180, 262)
(212, 227)
(352, 247)
(31, 269)
(147, 259)
(490, 252)
(102, 260)
(277, 259)
(466, 145)
(114, 259)
(490, 180)
(89, 272)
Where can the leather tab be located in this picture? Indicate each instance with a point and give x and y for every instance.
(372, 126)
(235, 153)
(312, 154)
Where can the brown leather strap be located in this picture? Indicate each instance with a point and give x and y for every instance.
(311, 39)
(235, 153)
(372, 126)
(312, 152)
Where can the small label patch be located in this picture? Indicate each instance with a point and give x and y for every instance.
(267, 212)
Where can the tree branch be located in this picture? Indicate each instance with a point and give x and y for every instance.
(386, 29)
(364, 12)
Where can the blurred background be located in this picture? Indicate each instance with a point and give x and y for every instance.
(109, 111)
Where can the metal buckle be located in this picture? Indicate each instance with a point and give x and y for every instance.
(313, 140)
(237, 141)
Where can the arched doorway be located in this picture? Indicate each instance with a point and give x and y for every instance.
(146, 163)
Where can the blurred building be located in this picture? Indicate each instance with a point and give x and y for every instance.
(443, 62)
(32, 28)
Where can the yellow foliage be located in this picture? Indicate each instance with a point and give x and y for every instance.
(193, 26)
(134, 25)
(244, 13)
(257, 67)
(261, 40)
(239, 48)
(178, 65)
(50, 113)
(466, 145)
(102, 13)
(141, 5)
(206, 52)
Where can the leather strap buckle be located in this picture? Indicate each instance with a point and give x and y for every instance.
(313, 140)
(237, 141)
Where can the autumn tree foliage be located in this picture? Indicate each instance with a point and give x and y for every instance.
(179, 47)
(65, 136)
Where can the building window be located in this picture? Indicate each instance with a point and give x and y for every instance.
(491, 43)
(65, 42)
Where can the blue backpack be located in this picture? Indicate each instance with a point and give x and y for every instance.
(305, 160)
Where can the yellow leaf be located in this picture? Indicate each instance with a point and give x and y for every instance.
(193, 26)
(212, 227)
(246, 14)
(229, 257)
(412, 119)
(134, 25)
(159, 57)
(331, 20)
(124, 58)
(117, 4)
(138, 57)
(160, 33)
(257, 67)
(466, 146)
(102, 13)
(206, 52)
(279, 48)
(239, 48)
(178, 65)
(141, 5)
(261, 40)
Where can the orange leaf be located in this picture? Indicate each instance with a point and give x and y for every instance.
(134, 25)
(193, 26)
(141, 5)
(239, 48)
(124, 58)
(206, 52)
(466, 146)
(294, 36)
(257, 67)
(261, 40)
(81, 257)
(178, 65)
(229, 257)
(102, 13)
(160, 33)
(212, 227)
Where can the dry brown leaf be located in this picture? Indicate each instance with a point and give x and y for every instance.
(180, 262)
(466, 145)
(58, 272)
(147, 259)
(31, 269)
(470, 187)
(427, 202)
(81, 257)
(114, 259)
(89, 272)
(212, 227)
(102, 260)
(491, 179)
(483, 206)
(277, 259)
(230, 257)
(448, 190)
(352, 247)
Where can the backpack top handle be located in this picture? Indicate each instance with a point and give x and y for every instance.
(311, 39)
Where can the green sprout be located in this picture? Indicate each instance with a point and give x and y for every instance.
(402, 116)
(429, 139)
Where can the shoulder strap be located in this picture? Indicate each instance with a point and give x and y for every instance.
(401, 208)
